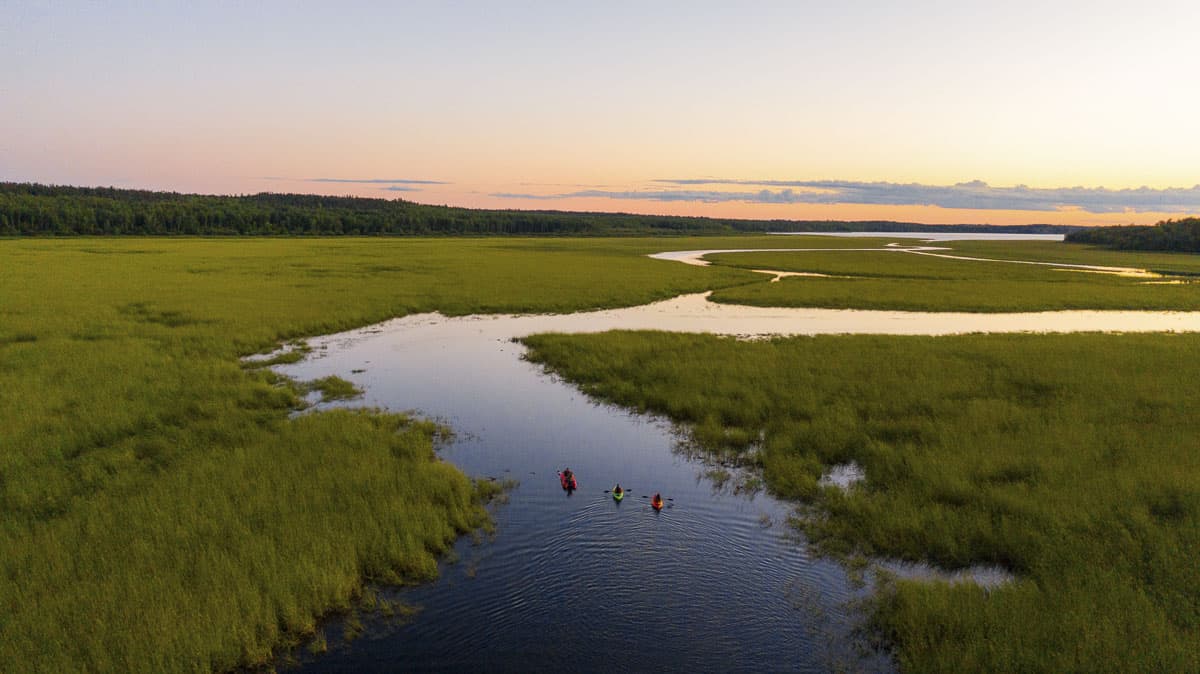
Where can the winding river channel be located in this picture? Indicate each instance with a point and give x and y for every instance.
(716, 581)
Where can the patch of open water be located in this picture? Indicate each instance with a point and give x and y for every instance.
(714, 582)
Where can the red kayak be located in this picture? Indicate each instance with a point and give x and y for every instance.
(568, 481)
(656, 502)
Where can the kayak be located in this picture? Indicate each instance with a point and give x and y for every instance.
(656, 503)
(618, 495)
(568, 483)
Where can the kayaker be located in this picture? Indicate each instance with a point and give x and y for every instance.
(617, 489)
(657, 501)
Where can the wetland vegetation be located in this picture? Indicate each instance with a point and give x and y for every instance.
(159, 511)
(1166, 263)
(163, 509)
(895, 280)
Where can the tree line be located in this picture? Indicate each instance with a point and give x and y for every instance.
(31, 209)
(1172, 235)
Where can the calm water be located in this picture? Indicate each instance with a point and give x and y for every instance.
(580, 582)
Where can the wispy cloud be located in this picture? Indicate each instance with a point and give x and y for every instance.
(703, 196)
(384, 184)
(968, 195)
(376, 181)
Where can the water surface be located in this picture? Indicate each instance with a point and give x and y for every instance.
(715, 582)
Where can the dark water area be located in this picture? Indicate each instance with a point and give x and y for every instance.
(716, 581)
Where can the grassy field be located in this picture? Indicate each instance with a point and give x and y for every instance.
(161, 510)
(1072, 253)
(158, 509)
(908, 282)
(1069, 459)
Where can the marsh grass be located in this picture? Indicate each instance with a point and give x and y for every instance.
(1185, 264)
(894, 280)
(332, 388)
(284, 358)
(1068, 459)
(318, 645)
(159, 511)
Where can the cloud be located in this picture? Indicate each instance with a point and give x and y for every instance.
(657, 195)
(373, 181)
(975, 195)
(385, 184)
(703, 196)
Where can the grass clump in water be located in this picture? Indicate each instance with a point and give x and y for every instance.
(332, 388)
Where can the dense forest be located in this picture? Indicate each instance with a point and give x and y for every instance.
(30, 209)
(1177, 235)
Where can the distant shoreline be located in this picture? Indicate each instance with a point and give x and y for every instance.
(31, 209)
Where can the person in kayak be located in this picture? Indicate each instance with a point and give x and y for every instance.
(618, 493)
(568, 479)
(657, 501)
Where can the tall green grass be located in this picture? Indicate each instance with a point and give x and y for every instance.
(1074, 253)
(1069, 459)
(158, 509)
(892, 280)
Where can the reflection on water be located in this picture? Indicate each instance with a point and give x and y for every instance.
(694, 313)
(578, 581)
(696, 258)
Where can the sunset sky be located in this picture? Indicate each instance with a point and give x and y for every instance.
(1005, 112)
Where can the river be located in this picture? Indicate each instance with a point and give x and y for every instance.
(579, 582)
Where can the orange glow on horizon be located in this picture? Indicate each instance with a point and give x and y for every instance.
(483, 196)
(933, 215)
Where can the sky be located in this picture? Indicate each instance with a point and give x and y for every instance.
(942, 112)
